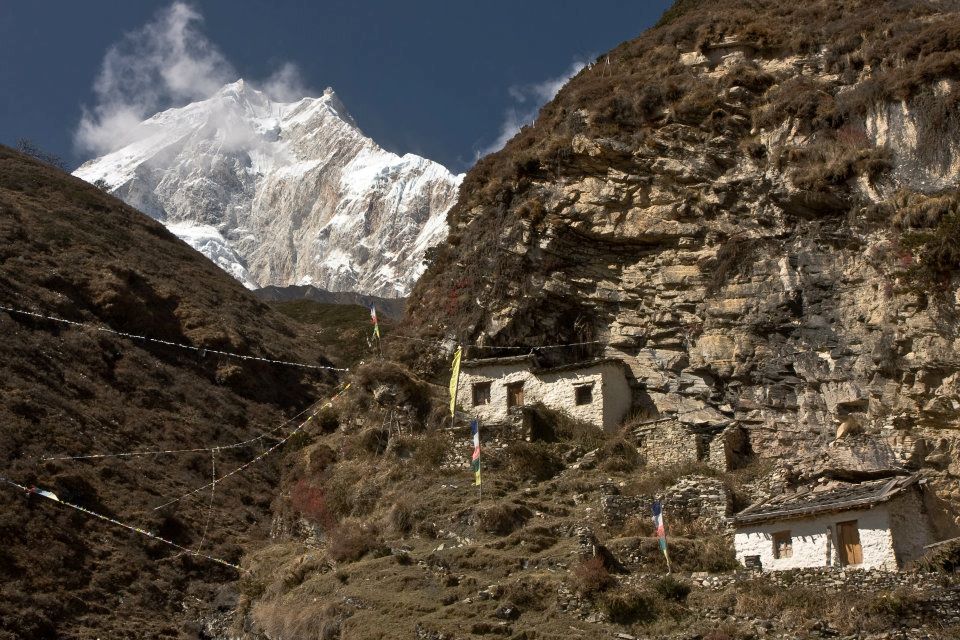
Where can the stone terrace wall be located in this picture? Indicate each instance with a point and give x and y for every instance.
(690, 498)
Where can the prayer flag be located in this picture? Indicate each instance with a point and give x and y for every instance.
(454, 381)
(660, 529)
(475, 459)
(373, 319)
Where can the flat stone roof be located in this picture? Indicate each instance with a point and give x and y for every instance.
(532, 361)
(810, 502)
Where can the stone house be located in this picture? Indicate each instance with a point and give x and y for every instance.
(595, 391)
(879, 524)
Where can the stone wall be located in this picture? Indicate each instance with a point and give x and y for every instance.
(730, 449)
(666, 443)
(691, 498)
(910, 527)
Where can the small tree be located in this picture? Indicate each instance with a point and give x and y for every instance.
(102, 184)
(26, 146)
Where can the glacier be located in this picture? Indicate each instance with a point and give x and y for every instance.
(280, 194)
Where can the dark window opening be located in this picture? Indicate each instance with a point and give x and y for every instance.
(481, 393)
(583, 394)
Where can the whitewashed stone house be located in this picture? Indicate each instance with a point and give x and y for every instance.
(880, 524)
(596, 391)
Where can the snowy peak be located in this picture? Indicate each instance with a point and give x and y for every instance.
(283, 193)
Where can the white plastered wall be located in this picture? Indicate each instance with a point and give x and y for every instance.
(814, 540)
(611, 392)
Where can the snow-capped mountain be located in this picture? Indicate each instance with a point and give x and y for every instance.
(284, 193)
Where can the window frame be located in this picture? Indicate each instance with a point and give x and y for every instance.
(784, 538)
(577, 388)
(484, 388)
(514, 390)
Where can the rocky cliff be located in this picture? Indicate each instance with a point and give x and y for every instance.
(284, 193)
(754, 205)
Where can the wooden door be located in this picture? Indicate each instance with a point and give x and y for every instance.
(848, 543)
(514, 395)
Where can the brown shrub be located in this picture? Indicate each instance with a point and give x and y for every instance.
(352, 540)
(670, 588)
(735, 255)
(283, 619)
(551, 425)
(802, 98)
(749, 76)
(383, 386)
(619, 455)
(373, 440)
(401, 518)
(430, 449)
(503, 519)
(651, 482)
(310, 501)
(319, 458)
(591, 576)
(631, 606)
(829, 164)
(944, 558)
(531, 593)
(533, 461)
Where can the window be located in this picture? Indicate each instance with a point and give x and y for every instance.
(583, 394)
(514, 395)
(481, 393)
(782, 545)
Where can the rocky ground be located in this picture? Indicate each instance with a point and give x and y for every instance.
(380, 533)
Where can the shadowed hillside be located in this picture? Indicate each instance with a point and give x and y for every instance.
(70, 251)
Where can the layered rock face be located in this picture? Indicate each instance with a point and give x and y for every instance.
(759, 226)
(284, 193)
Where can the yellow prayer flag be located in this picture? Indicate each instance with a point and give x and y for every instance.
(454, 381)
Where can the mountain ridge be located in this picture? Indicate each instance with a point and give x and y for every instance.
(281, 193)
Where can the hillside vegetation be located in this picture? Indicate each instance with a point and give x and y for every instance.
(70, 251)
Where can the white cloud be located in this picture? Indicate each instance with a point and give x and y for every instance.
(285, 84)
(167, 62)
(528, 99)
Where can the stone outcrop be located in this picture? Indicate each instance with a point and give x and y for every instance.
(750, 244)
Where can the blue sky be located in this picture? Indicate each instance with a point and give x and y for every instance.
(440, 79)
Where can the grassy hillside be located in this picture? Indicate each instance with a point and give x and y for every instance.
(70, 251)
(343, 331)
